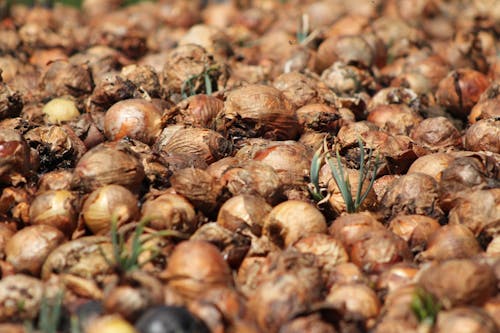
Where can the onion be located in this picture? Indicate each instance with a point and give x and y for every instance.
(107, 203)
(243, 212)
(258, 110)
(169, 211)
(206, 269)
(477, 282)
(135, 118)
(465, 320)
(450, 242)
(14, 157)
(201, 142)
(29, 247)
(483, 135)
(460, 91)
(56, 208)
(414, 229)
(59, 110)
(354, 298)
(108, 164)
(292, 220)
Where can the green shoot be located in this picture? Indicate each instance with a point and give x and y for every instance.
(303, 30)
(128, 260)
(340, 177)
(191, 85)
(314, 187)
(425, 306)
(49, 316)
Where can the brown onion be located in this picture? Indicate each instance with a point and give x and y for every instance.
(258, 110)
(107, 204)
(243, 212)
(431, 164)
(414, 193)
(394, 118)
(460, 91)
(108, 164)
(414, 229)
(354, 298)
(14, 157)
(134, 118)
(30, 246)
(476, 284)
(292, 220)
(206, 268)
(169, 211)
(450, 242)
(56, 208)
(483, 135)
(20, 289)
(465, 320)
(201, 142)
(378, 249)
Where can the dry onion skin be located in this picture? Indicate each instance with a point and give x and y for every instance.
(258, 111)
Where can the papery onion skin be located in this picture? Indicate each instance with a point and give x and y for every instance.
(107, 203)
(135, 118)
(258, 110)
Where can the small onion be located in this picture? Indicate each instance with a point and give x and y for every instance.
(110, 324)
(292, 220)
(483, 135)
(170, 211)
(59, 110)
(107, 203)
(465, 320)
(108, 164)
(206, 269)
(460, 90)
(355, 298)
(134, 118)
(30, 246)
(20, 289)
(414, 229)
(258, 110)
(450, 242)
(431, 164)
(244, 212)
(458, 281)
(57, 208)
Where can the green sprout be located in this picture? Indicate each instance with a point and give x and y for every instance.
(340, 178)
(425, 306)
(303, 30)
(126, 260)
(189, 87)
(49, 317)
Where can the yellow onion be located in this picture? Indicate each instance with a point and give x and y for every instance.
(346, 273)
(59, 110)
(57, 208)
(109, 324)
(107, 203)
(292, 220)
(483, 135)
